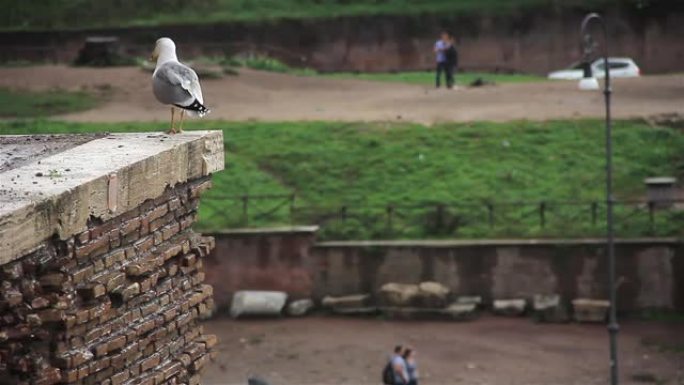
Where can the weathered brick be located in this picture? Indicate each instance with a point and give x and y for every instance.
(149, 309)
(174, 204)
(117, 343)
(130, 252)
(115, 281)
(82, 316)
(48, 376)
(94, 247)
(172, 251)
(170, 230)
(185, 359)
(130, 226)
(83, 274)
(119, 378)
(114, 257)
(117, 361)
(91, 291)
(138, 268)
(53, 280)
(70, 375)
(51, 315)
(195, 189)
(150, 362)
(83, 372)
(144, 244)
(83, 237)
(12, 271)
(104, 374)
(157, 212)
(209, 340)
(144, 327)
(12, 297)
(158, 238)
(187, 221)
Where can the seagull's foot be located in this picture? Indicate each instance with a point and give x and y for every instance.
(172, 131)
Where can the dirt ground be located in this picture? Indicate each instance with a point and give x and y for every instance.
(489, 350)
(265, 96)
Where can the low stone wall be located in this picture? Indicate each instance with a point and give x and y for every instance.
(117, 302)
(264, 259)
(650, 271)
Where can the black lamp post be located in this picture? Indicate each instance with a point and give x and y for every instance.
(589, 82)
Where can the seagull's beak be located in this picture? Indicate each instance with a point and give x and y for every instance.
(154, 55)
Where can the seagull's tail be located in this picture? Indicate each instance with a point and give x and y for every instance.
(196, 108)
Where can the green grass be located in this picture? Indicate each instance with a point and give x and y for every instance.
(368, 166)
(32, 104)
(428, 77)
(45, 14)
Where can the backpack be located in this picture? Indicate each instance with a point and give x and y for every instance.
(451, 55)
(388, 374)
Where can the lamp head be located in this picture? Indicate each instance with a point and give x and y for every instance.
(588, 81)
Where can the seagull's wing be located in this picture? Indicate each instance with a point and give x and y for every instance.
(177, 84)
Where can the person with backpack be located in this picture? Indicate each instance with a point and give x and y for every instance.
(442, 48)
(395, 372)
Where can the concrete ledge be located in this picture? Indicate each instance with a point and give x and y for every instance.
(448, 243)
(102, 178)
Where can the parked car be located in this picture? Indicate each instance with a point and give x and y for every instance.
(619, 67)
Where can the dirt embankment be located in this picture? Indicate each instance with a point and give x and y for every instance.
(530, 40)
(265, 96)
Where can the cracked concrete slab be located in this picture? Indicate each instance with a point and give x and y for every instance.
(55, 195)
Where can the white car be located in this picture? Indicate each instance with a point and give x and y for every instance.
(619, 68)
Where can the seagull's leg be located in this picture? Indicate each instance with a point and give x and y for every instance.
(180, 126)
(173, 121)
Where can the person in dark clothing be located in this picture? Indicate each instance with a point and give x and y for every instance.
(452, 60)
(442, 48)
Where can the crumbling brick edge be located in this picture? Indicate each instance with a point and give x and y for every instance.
(117, 304)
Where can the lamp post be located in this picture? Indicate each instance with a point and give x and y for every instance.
(589, 82)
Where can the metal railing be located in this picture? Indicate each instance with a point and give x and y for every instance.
(569, 218)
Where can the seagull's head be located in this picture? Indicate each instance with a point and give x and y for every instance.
(163, 45)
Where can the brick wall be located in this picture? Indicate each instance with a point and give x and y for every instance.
(116, 304)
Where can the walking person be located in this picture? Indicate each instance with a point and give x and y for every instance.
(441, 47)
(395, 372)
(411, 366)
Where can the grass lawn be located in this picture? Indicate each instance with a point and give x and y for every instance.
(428, 77)
(28, 104)
(124, 13)
(367, 166)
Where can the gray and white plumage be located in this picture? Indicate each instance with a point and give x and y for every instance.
(174, 83)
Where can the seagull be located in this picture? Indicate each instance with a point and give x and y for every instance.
(176, 84)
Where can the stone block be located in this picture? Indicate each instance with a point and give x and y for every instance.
(549, 308)
(347, 301)
(509, 307)
(469, 299)
(461, 311)
(300, 307)
(398, 294)
(590, 310)
(433, 295)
